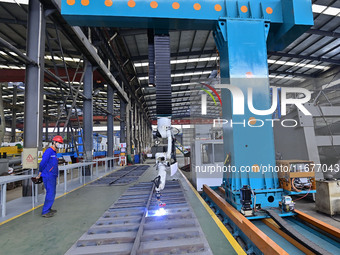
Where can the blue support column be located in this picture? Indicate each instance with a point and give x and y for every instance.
(110, 94)
(88, 111)
(243, 60)
(34, 84)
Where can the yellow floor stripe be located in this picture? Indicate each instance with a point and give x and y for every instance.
(36, 207)
(224, 230)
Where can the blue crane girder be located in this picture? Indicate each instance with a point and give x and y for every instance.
(243, 30)
(289, 18)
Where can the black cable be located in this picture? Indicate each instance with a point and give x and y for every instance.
(335, 218)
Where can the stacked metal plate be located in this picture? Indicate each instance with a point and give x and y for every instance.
(123, 176)
(136, 225)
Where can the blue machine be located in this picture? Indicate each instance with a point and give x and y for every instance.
(243, 31)
(99, 145)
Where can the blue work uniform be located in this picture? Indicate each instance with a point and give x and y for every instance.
(49, 172)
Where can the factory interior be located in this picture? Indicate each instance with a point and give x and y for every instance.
(176, 127)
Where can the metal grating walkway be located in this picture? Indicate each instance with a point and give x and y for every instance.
(131, 226)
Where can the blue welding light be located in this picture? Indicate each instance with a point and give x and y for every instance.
(160, 212)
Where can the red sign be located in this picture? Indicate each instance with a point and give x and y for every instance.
(29, 158)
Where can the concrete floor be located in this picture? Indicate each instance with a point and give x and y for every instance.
(78, 210)
(16, 204)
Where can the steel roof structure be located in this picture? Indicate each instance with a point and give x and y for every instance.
(312, 61)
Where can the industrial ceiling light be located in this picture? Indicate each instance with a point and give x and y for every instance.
(16, 1)
(332, 11)
(181, 61)
(318, 8)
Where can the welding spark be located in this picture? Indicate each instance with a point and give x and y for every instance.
(160, 212)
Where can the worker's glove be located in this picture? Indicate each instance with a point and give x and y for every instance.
(36, 180)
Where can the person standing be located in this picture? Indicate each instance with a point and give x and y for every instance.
(48, 170)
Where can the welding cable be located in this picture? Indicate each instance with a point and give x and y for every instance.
(294, 188)
(174, 128)
(310, 187)
(254, 196)
(335, 218)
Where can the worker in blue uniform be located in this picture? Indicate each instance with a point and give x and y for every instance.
(48, 170)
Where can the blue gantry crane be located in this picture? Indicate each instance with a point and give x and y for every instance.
(243, 32)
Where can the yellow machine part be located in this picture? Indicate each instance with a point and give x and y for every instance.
(286, 177)
(10, 150)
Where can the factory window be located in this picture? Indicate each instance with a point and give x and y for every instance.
(207, 154)
(218, 153)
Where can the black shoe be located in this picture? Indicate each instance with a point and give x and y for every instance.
(53, 211)
(48, 215)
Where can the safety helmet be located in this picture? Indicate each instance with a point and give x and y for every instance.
(58, 139)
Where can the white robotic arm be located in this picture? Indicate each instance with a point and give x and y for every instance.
(164, 129)
(163, 160)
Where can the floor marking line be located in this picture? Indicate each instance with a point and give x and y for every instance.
(224, 230)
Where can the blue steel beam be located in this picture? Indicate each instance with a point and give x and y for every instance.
(188, 14)
(243, 59)
(289, 18)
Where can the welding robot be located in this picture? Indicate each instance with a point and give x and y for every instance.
(165, 161)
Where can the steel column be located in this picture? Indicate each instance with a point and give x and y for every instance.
(58, 124)
(34, 76)
(123, 117)
(88, 111)
(307, 124)
(110, 102)
(139, 130)
(136, 124)
(128, 129)
(2, 118)
(243, 58)
(132, 121)
(135, 127)
(46, 123)
(14, 113)
(143, 134)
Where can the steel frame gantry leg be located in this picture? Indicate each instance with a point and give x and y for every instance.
(243, 63)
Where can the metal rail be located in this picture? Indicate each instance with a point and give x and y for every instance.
(271, 223)
(296, 235)
(319, 224)
(250, 232)
(132, 226)
(137, 242)
(307, 234)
